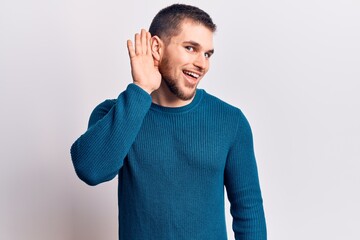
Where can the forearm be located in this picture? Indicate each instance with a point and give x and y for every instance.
(243, 188)
(99, 153)
(248, 215)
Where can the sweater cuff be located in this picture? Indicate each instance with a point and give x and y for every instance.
(138, 90)
(142, 97)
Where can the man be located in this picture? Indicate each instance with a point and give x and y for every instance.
(173, 146)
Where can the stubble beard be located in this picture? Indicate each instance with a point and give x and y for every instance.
(173, 85)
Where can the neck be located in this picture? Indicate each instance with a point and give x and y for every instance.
(164, 97)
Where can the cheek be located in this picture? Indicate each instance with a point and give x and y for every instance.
(182, 59)
(175, 59)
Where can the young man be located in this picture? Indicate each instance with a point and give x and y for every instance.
(173, 146)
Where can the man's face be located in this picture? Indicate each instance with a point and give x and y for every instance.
(185, 59)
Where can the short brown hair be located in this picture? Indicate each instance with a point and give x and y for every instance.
(167, 22)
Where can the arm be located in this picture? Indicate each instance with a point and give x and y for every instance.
(99, 153)
(242, 186)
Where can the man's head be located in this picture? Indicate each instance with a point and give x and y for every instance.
(182, 43)
(167, 22)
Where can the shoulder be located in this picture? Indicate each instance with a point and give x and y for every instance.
(216, 104)
(230, 113)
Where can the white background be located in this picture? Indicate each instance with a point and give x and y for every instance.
(293, 67)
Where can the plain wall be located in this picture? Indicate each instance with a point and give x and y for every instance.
(293, 67)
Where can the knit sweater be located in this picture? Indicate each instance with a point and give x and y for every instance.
(172, 166)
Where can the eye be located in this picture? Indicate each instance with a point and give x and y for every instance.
(189, 48)
(207, 55)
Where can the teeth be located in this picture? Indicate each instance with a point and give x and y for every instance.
(192, 74)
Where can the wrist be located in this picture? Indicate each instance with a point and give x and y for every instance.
(149, 91)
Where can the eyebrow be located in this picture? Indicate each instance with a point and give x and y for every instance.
(198, 45)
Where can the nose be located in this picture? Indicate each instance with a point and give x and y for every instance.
(201, 61)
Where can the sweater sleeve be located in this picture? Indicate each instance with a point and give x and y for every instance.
(99, 153)
(242, 186)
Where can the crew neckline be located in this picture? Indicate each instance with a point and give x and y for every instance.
(196, 100)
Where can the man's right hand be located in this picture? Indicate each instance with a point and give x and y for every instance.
(144, 72)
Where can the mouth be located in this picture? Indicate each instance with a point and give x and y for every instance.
(191, 76)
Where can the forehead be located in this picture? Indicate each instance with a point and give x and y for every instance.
(194, 32)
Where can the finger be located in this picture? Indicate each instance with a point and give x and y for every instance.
(137, 44)
(131, 49)
(143, 41)
(148, 43)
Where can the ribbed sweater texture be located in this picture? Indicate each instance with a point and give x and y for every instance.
(172, 166)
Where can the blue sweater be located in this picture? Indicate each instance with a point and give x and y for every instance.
(172, 166)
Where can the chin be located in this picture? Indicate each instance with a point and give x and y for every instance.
(184, 93)
(188, 96)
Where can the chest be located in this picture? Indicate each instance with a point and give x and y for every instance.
(190, 144)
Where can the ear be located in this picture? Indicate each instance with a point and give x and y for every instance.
(156, 48)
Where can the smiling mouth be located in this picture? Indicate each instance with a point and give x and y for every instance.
(191, 75)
